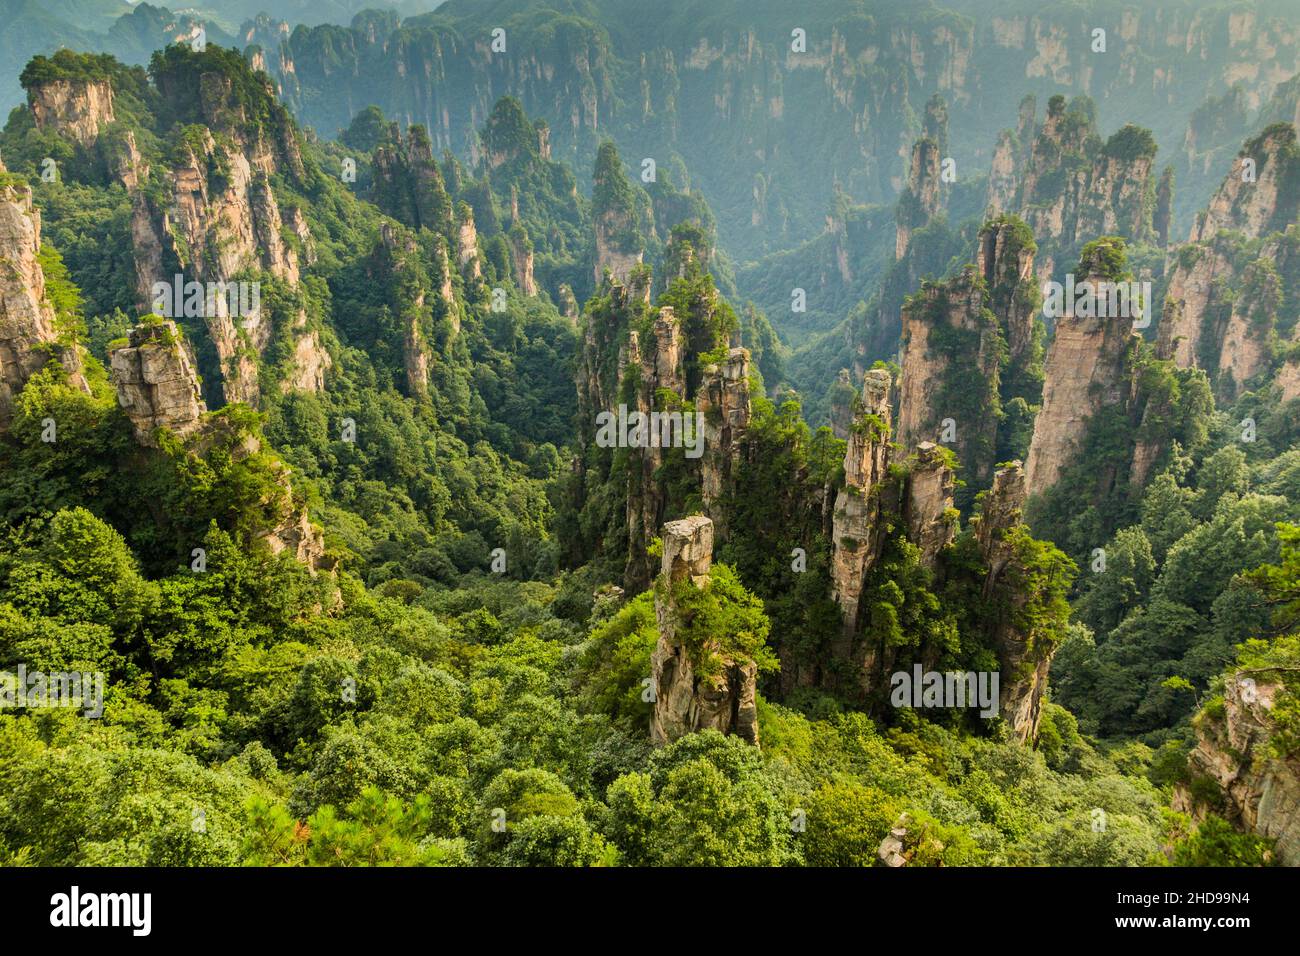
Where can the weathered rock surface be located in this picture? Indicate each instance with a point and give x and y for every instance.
(951, 343)
(28, 337)
(1250, 198)
(1086, 370)
(77, 109)
(724, 401)
(928, 509)
(685, 702)
(855, 524)
(923, 197)
(1260, 791)
(156, 383)
(1024, 657)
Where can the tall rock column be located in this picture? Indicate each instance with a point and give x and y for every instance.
(1086, 371)
(659, 366)
(950, 370)
(27, 321)
(156, 383)
(1024, 656)
(855, 534)
(685, 701)
(78, 109)
(921, 200)
(724, 401)
(931, 519)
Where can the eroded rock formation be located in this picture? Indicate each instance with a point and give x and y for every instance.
(78, 109)
(856, 526)
(923, 197)
(1087, 370)
(1024, 655)
(928, 509)
(723, 399)
(948, 388)
(1259, 790)
(686, 700)
(156, 383)
(29, 338)
(1224, 295)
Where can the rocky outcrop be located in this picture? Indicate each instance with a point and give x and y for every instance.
(928, 511)
(923, 197)
(29, 338)
(1224, 295)
(221, 219)
(856, 529)
(408, 184)
(620, 218)
(723, 399)
(1258, 196)
(567, 302)
(1198, 278)
(687, 700)
(467, 258)
(521, 260)
(1086, 370)
(1247, 349)
(659, 368)
(843, 395)
(287, 527)
(156, 383)
(1069, 186)
(1259, 790)
(905, 842)
(1005, 259)
(950, 370)
(78, 109)
(1024, 654)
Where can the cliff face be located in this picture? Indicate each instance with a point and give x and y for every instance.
(1005, 259)
(1254, 198)
(290, 529)
(1086, 371)
(156, 383)
(408, 184)
(687, 701)
(1259, 790)
(28, 337)
(77, 109)
(467, 255)
(612, 254)
(837, 111)
(928, 507)
(158, 389)
(950, 369)
(658, 365)
(1073, 188)
(521, 261)
(211, 215)
(856, 527)
(922, 198)
(1191, 294)
(1024, 655)
(723, 399)
(1224, 296)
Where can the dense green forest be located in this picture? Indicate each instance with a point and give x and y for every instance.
(363, 585)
